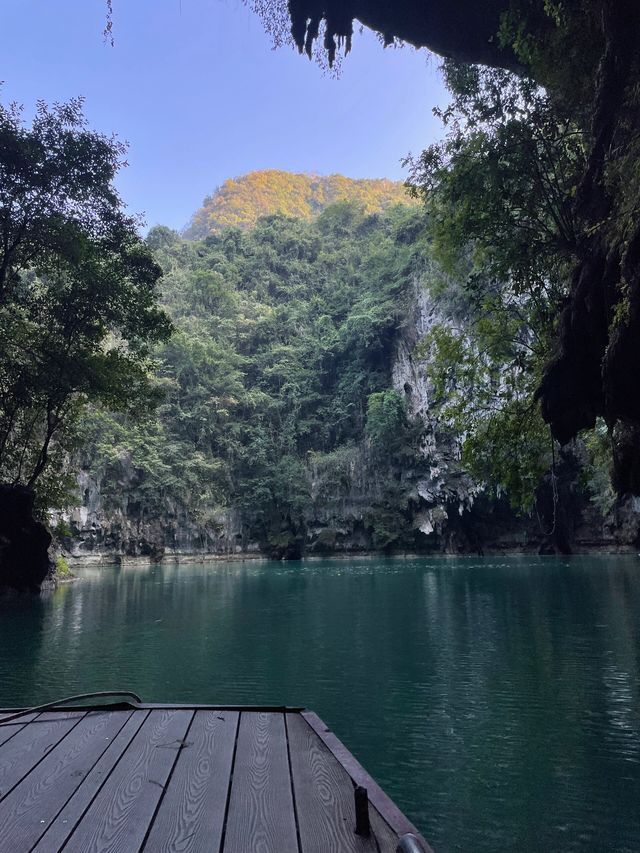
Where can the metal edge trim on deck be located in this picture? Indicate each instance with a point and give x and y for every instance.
(387, 809)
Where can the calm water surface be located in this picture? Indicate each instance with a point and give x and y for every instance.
(496, 700)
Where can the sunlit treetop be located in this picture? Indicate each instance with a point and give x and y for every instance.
(242, 201)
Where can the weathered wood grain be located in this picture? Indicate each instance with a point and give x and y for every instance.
(386, 838)
(261, 816)
(191, 814)
(186, 780)
(120, 815)
(386, 808)
(35, 802)
(22, 752)
(8, 730)
(323, 793)
(69, 817)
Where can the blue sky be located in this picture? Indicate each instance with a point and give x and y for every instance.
(196, 89)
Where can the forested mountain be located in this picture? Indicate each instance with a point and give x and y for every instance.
(279, 368)
(482, 347)
(305, 406)
(584, 57)
(241, 201)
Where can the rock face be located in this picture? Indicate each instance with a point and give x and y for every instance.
(129, 525)
(446, 490)
(439, 508)
(446, 510)
(347, 495)
(24, 541)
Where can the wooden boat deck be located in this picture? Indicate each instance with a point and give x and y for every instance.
(188, 778)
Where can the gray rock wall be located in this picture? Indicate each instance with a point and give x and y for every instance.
(443, 509)
(446, 489)
(104, 528)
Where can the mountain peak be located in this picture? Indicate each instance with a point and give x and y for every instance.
(241, 201)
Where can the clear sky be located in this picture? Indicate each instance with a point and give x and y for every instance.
(197, 91)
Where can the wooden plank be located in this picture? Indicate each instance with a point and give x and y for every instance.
(261, 816)
(385, 836)
(8, 730)
(388, 810)
(66, 821)
(35, 802)
(323, 794)
(153, 788)
(191, 814)
(21, 753)
(119, 816)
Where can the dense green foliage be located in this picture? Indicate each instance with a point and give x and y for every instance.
(278, 401)
(277, 379)
(78, 315)
(242, 201)
(498, 192)
(274, 393)
(279, 366)
(584, 54)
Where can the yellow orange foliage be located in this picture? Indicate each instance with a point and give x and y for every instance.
(242, 201)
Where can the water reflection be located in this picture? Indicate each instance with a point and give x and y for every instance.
(497, 701)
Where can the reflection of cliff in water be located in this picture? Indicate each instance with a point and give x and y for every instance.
(23, 641)
(496, 700)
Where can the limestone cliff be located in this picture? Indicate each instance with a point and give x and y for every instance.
(118, 517)
(447, 489)
(436, 506)
(130, 524)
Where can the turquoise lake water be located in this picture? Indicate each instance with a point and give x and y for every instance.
(496, 700)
